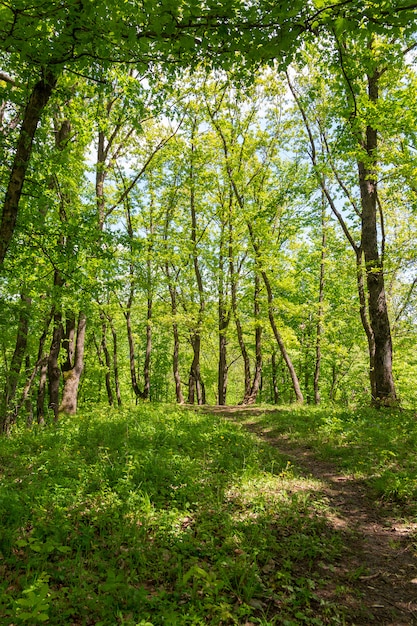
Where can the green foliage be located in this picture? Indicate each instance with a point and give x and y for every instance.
(34, 606)
(370, 444)
(158, 516)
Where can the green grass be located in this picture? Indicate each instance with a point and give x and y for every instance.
(377, 445)
(158, 516)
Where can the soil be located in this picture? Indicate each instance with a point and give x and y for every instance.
(378, 568)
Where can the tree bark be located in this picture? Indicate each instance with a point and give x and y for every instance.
(40, 402)
(38, 99)
(384, 392)
(53, 368)
(8, 414)
(115, 361)
(131, 343)
(106, 363)
(239, 331)
(274, 369)
(319, 326)
(72, 376)
(40, 362)
(257, 377)
(195, 382)
(223, 323)
(175, 356)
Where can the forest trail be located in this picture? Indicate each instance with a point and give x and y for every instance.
(378, 567)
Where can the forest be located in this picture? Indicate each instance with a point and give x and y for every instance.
(208, 219)
(206, 234)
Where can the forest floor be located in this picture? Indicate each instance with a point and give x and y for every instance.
(378, 568)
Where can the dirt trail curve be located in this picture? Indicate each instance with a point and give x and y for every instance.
(377, 542)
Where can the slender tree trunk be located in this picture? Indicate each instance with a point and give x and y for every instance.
(274, 369)
(196, 385)
(239, 331)
(175, 365)
(332, 392)
(277, 335)
(127, 314)
(131, 343)
(175, 356)
(27, 401)
(363, 310)
(100, 179)
(294, 378)
(320, 311)
(195, 381)
(222, 368)
(8, 414)
(107, 361)
(257, 378)
(102, 348)
(223, 323)
(54, 371)
(40, 403)
(148, 350)
(174, 308)
(38, 99)
(115, 361)
(40, 361)
(72, 376)
(53, 368)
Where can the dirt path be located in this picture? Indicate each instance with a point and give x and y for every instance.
(379, 565)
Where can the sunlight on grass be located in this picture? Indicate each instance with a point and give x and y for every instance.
(159, 516)
(378, 445)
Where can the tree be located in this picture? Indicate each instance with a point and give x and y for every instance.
(361, 130)
(61, 40)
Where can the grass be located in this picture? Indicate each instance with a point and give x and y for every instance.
(157, 515)
(377, 445)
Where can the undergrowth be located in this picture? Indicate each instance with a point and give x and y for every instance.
(159, 516)
(378, 445)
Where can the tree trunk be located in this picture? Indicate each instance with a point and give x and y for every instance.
(175, 365)
(115, 362)
(195, 382)
(384, 394)
(223, 323)
(132, 364)
(274, 369)
(38, 99)
(9, 416)
(277, 335)
(72, 376)
(148, 351)
(106, 363)
(294, 378)
(319, 326)
(222, 368)
(196, 385)
(175, 356)
(54, 371)
(257, 378)
(363, 311)
(239, 331)
(40, 403)
(40, 362)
